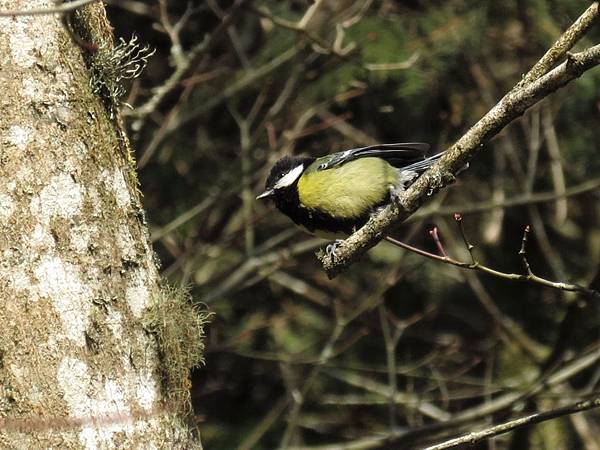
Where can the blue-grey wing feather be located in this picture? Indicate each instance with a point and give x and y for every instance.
(423, 165)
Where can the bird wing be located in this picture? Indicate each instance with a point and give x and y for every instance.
(398, 155)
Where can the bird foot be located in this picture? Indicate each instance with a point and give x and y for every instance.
(331, 249)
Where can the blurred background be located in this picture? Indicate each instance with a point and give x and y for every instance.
(400, 350)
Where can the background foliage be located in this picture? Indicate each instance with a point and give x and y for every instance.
(399, 342)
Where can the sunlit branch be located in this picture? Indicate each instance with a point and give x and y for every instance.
(514, 104)
(478, 436)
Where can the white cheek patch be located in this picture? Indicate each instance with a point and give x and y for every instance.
(289, 178)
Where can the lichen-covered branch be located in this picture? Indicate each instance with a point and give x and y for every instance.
(514, 104)
(564, 43)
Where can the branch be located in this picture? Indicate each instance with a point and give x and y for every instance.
(514, 104)
(62, 8)
(408, 438)
(527, 277)
(564, 43)
(478, 436)
(185, 63)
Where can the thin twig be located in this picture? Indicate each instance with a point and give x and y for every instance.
(300, 395)
(253, 264)
(250, 76)
(509, 330)
(529, 277)
(436, 238)
(186, 64)
(556, 164)
(337, 49)
(478, 436)
(410, 62)
(523, 250)
(470, 247)
(534, 144)
(410, 401)
(391, 342)
(319, 44)
(252, 437)
(328, 350)
(179, 57)
(402, 439)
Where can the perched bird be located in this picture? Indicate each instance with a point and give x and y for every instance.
(334, 195)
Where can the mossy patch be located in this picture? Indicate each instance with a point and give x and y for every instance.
(178, 325)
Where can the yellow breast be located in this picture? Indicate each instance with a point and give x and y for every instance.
(347, 191)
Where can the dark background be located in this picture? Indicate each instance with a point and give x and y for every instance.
(294, 359)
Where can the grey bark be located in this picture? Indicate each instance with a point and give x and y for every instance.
(77, 369)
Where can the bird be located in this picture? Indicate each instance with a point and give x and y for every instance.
(334, 195)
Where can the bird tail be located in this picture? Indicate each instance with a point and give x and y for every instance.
(422, 166)
(408, 173)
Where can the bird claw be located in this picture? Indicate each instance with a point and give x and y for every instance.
(331, 249)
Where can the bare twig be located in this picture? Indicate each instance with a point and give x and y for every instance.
(301, 28)
(251, 438)
(519, 99)
(410, 401)
(232, 32)
(173, 30)
(185, 64)
(534, 144)
(523, 250)
(436, 238)
(245, 124)
(253, 264)
(528, 277)
(400, 439)
(556, 165)
(336, 49)
(328, 350)
(251, 76)
(299, 396)
(470, 247)
(478, 436)
(410, 62)
(509, 330)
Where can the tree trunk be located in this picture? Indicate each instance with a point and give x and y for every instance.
(77, 368)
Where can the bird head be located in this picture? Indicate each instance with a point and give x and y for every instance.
(284, 175)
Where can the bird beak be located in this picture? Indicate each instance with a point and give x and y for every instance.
(266, 194)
